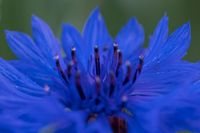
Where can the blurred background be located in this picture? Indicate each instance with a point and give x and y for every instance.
(16, 15)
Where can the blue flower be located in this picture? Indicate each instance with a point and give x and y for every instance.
(101, 84)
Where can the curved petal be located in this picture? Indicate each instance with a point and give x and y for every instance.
(32, 116)
(44, 38)
(171, 49)
(8, 91)
(95, 32)
(24, 47)
(19, 81)
(153, 83)
(130, 38)
(55, 83)
(22, 113)
(157, 39)
(177, 44)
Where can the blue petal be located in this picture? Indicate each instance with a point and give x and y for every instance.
(171, 49)
(20, 113)
(44, 38)
(72, 38)
(156, 82)
(95, 32)
(130, 38)
(32, 116)
(8, 90)
(177, 44)
(157, 39)
(19, 81)
(24, 48)
(177, 112)
(43, 77)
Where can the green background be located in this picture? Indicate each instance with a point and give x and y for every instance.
(16, 15)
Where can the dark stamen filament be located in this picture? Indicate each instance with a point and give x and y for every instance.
(128, 73)
(78, 86)
(98, 84)
(141, 62)
(97, 60)
(112, 84)
(139, 68)
(69, 69)
(119, 62)
(60, 69)
(73, 54)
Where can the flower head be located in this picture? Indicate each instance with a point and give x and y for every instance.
(101, 84)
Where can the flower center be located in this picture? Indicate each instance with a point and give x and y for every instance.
(112, 80)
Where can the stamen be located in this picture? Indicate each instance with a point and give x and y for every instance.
(119, 62)
(60, 69)
(78, 86)
(128, 73)
(118, 125)
(112, 84)
(73, 54)
(69, 69)
(97, 60)
(115, 48)
(141, 62)
(98, 84)
(98, 87)
(139, 68)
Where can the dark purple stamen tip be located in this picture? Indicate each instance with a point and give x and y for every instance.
(139, 68)
(128, 73)
(73, 54)
(115, 48)
(119, 62)
(60, 69)
(141, 62)
(97, 60)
